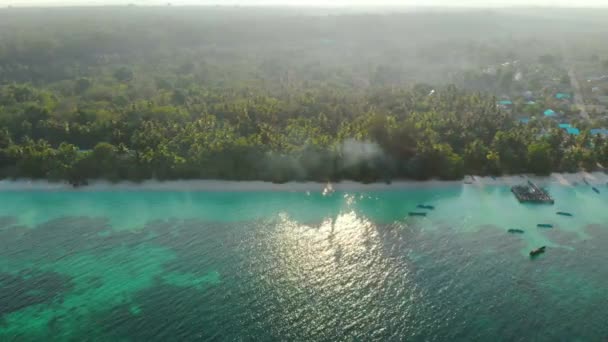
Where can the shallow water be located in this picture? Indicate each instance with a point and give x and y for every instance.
(271, 265)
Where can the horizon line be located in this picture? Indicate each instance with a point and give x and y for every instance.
(302, 6)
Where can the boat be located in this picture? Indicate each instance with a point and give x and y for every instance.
(537, 251)
(586, 181)
(544, 225)
(515, 231)
(595, 189)
(416, 214)
(424, 206)
(468, 182)
(531, 193)
(563, 213)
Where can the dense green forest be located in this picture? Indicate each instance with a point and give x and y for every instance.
(270, 94)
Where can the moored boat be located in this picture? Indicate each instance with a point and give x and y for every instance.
(515, 231)
(544, 225)
(416, 214)
(563, 213)
(537, 251)
(424, 206)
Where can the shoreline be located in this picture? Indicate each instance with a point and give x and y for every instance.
(572, 179)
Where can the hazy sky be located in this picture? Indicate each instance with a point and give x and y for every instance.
(322, 3)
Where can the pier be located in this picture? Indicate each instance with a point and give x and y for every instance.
(531, 193)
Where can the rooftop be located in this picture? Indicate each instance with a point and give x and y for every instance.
(599, 131)
(524, 120)
(602, 99)
(573, 131)
(550, 112)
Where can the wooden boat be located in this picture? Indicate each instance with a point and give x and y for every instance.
(423, 206)
(595, 189)
(537, 251)
(416, 214)
(515, 231)
(563, 213)
(544, 225)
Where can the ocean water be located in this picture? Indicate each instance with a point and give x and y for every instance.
(144, 265)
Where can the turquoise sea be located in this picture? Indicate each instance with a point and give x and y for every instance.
(151, 265)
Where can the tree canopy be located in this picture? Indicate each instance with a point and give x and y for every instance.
(126, 97)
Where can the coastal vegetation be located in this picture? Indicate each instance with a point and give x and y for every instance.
(133, 94)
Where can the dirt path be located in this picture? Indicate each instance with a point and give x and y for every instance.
(578, 94)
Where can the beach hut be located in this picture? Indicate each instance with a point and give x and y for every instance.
(550, 113)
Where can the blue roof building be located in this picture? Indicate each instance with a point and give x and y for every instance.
(573, 131)
(550, 112)
(599, 131)
(505, 102)
(524, 120)
(564, 125)
(562, 96)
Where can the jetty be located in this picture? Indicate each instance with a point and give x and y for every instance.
(531, 193)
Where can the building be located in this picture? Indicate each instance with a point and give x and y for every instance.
(573, 131)
(596, 108)
(598, 79)
(524, 120)
(599, 131)
(602, 99)
(549, 113)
